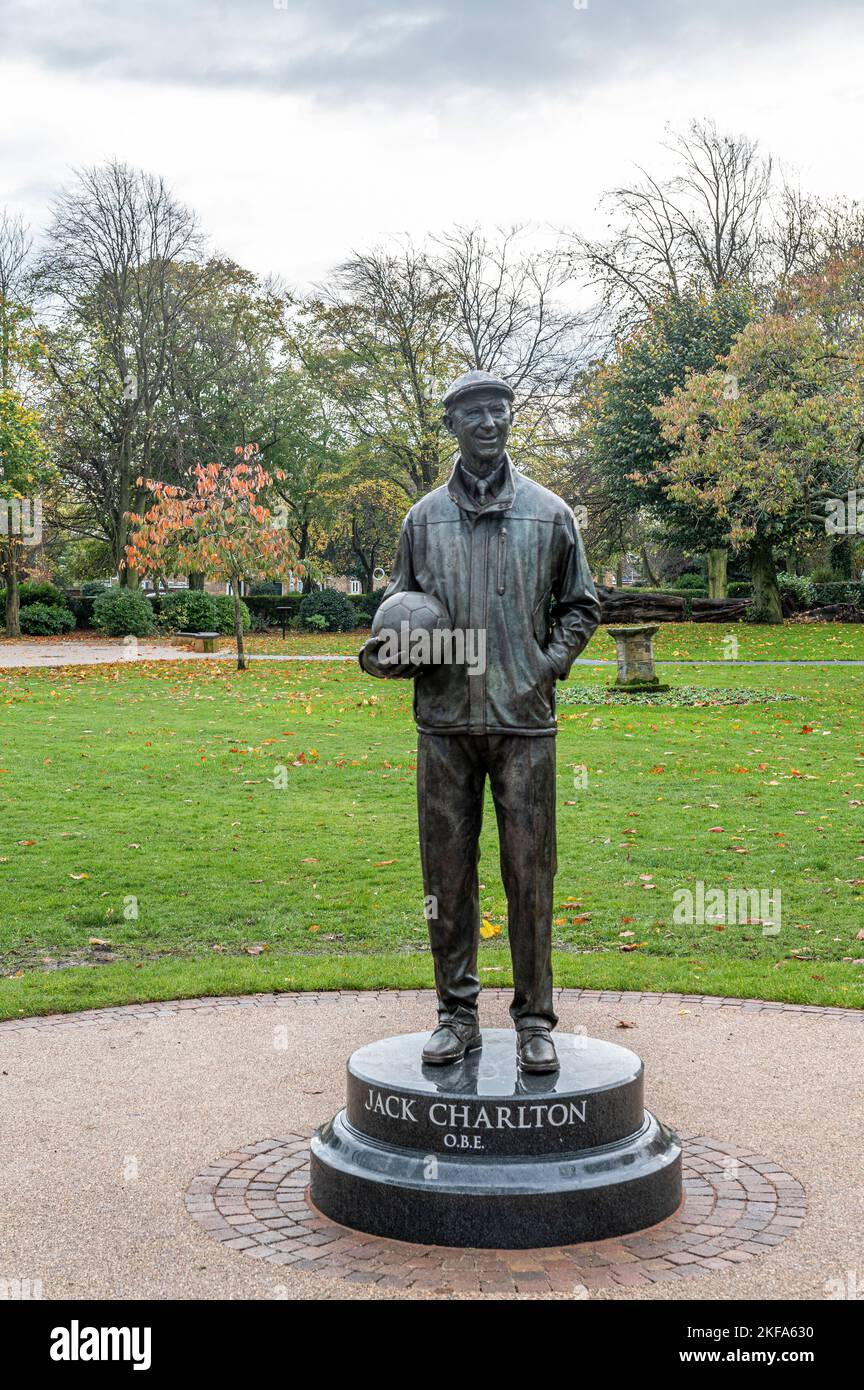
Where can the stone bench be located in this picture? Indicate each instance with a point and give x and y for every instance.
(202, 641)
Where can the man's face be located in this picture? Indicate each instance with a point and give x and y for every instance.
(480, 422)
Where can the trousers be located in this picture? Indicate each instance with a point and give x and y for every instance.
(451, 777)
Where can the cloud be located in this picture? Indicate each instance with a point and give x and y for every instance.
(370, 49)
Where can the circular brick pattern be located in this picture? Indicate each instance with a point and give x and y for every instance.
(736, 1207)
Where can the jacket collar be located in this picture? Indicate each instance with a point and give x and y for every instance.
(462, 497)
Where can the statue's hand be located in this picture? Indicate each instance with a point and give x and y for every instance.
(385, 670)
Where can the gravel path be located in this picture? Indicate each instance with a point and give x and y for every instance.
(108, 1117)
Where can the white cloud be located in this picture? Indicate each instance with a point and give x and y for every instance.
(290, 182)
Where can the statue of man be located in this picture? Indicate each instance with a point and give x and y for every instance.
(505, 557)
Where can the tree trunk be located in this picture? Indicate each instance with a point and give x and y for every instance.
(767, 607)
(13, 624)
(238, 626)
(717, 562)
(195, 581)
(841, 558)
(649, 568)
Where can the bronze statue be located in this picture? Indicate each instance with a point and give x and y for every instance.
(505, 558)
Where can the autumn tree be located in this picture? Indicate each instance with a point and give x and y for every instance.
(220, 526)
(619, 448)
(366, 527)
(761, 443)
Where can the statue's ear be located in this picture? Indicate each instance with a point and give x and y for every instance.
(448, 421)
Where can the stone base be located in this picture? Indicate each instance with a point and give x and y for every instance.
(480, 1154)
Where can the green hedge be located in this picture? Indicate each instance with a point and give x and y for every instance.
(266, 605)
(224, 605)
(187, 610)
(193, 610)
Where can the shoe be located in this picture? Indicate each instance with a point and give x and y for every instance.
(451, 1041)
(536, 1050)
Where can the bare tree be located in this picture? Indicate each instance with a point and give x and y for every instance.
(701, 228)
(110, 277)
(508, 316)
(379, 339)
(16, 246)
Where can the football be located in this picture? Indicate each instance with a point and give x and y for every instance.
(422, 613)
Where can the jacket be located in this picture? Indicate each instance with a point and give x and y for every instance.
(514, 570)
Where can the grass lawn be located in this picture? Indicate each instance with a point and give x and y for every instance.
(178, 829)
(674, 642)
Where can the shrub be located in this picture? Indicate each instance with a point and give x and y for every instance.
(40, 591)
(123, 612)
(336, 609)
(367, 605)
(46, 619)
(223, 614)
(690, 582)
(81, 606)
(188, 610)
(740, 588)
(263, 586)
(266, 605)
(91, 587)
(796, 591)
(838, 591)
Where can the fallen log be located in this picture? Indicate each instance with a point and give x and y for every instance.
(656, 606)
(719, 610)
(640, 606)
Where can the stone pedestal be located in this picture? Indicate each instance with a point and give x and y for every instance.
(635, 654)
(481, 1154)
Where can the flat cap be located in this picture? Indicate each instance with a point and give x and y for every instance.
(475, 381)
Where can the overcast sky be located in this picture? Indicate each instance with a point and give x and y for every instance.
(301, 129)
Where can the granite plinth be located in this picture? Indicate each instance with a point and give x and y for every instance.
(481, 1154)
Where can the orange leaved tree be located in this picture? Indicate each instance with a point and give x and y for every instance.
(218, 527)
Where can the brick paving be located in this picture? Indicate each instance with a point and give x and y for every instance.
(563, 997)
(737, 1208)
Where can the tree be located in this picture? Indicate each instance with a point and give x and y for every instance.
(220, 527)
(367, 527)
(109, 273)
(508, 320)
(698, 230)
(306, 454)
(761, 443)
(620, 445)
(378, 341)
(24, 466)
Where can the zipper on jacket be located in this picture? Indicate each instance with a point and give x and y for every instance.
(502, 559)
